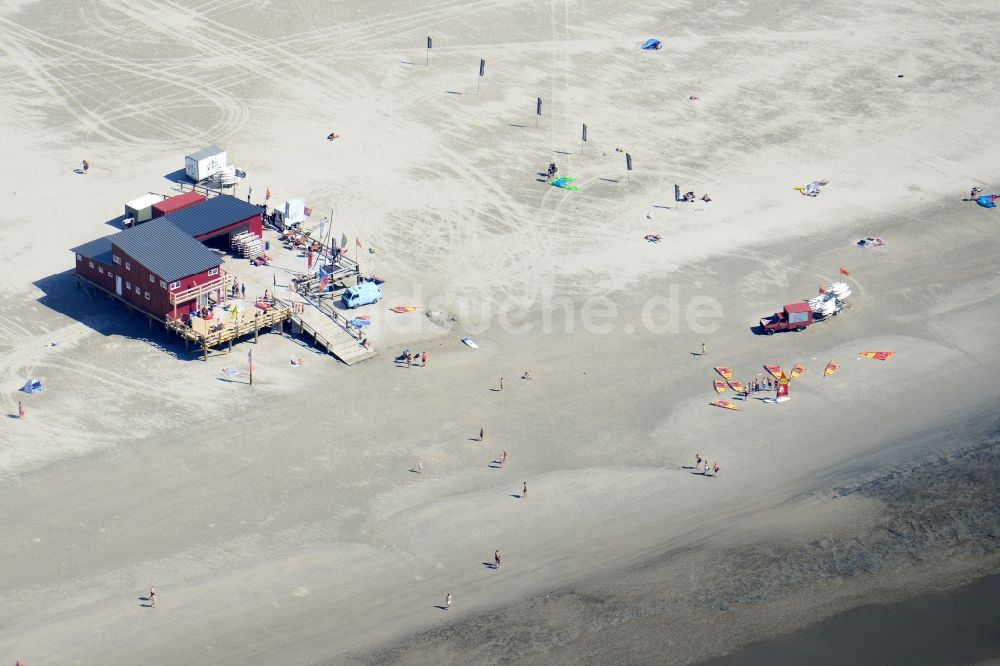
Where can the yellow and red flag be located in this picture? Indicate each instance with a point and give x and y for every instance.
(725, 404)
(725, 372)
(774, 370)
(831, 368)
(736, 385)
(797, 370)
(720, 386)
(878, 356)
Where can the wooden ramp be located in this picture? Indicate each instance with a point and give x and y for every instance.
(330, 335)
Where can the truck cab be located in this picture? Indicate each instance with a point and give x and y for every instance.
(793, 317)
(366, 293)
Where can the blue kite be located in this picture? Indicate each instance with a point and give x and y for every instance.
(987, 200)
(652, 44)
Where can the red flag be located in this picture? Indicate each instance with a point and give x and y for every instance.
(843, 271)
(308, 211)
(267, 194)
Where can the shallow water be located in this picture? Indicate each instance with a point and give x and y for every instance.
(958, 627)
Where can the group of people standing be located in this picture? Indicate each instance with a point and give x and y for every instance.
(701, 465)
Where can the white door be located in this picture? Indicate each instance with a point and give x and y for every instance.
(118, 284)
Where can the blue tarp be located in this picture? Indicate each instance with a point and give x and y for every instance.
(32, 386)
(651, 44)
(986, 201)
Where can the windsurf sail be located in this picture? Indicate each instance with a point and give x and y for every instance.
(720, 386)
(831, 368)
(797, 370)
(878, 356)
(725, 372)
(725, 404)
(774, 371)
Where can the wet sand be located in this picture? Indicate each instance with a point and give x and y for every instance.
(959, 627)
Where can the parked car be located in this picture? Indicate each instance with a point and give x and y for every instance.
(365, 293)
(793, 317)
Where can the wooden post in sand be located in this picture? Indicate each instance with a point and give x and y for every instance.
(204, 349)
(583, 137)
(256, 327)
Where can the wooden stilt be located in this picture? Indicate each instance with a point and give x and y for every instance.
(204, 349)
(256, 329)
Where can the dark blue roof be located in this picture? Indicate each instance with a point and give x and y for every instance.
(165, 250)
(97, 250)
(208, 216)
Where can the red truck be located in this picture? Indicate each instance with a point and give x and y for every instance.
(793, 317)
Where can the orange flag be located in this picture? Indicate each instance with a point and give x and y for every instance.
(843, 271)
(267, 194)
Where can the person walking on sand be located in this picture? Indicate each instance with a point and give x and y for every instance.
(423, 359)
(152, 597)
(20, 410)
(409, 360)
(704, 350)
(524, 490)
(86, 167)
(496, 559)
(715, 470)
(501, 383)
(503, 458)
(420, 466)
(447, 601)
(697, 461)
(480, 434)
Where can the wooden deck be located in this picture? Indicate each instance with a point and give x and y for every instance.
(212, 334)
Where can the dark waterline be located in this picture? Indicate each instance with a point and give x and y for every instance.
(958, 627)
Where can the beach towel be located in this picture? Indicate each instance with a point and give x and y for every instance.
(651, 44)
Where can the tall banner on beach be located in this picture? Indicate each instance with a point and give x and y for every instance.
(783, 387)
(583, 134)
(482, 73)
(429, 45)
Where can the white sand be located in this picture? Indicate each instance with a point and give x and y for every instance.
(280, 524)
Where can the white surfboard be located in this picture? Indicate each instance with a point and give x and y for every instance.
(470, 342)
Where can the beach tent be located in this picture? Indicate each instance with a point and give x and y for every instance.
(651, 44)
(987, 200)
(32, 386)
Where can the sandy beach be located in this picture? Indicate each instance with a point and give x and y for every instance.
(287, 523)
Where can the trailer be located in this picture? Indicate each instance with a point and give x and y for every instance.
(204, 163)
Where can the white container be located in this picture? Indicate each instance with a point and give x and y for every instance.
(141, 209)
(204, 163)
